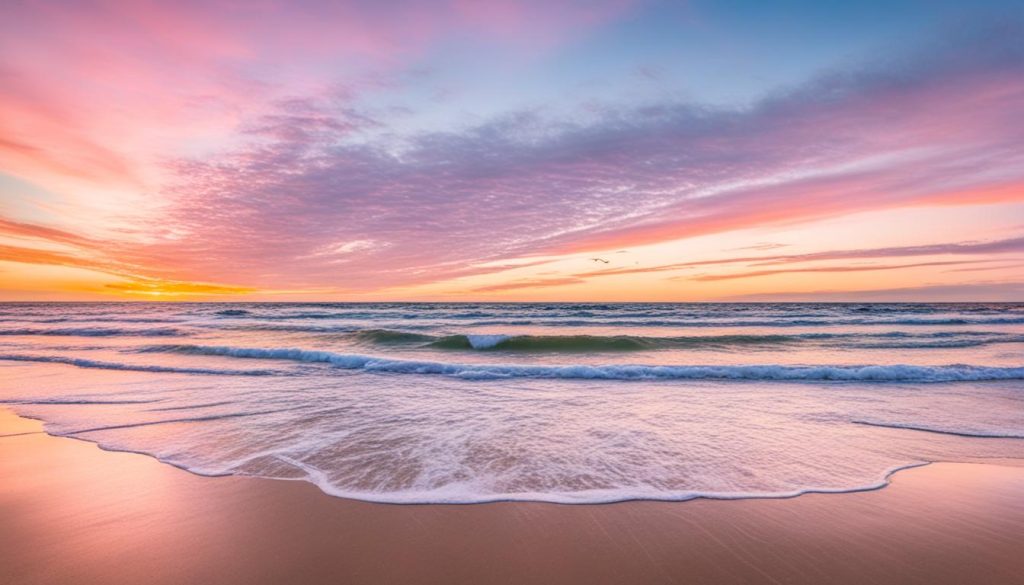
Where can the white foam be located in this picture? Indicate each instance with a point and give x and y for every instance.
(485, 341)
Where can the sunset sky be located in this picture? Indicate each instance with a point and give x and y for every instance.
(512, 150)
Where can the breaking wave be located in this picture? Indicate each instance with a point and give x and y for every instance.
(560, 343)
(852, 373)
(929, 429)
(83, 363)
(624, 343)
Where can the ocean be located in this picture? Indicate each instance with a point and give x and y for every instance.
(569, 403)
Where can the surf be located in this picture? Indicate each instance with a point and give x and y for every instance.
(767, 372)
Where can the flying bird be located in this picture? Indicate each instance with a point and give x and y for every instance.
(600, 260)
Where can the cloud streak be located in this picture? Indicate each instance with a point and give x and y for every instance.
(1004, 246)
(832, 269)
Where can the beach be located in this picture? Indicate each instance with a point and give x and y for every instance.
(583, 292)
(75, 513)
(501, 443)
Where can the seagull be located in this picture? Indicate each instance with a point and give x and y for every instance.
(600, 260)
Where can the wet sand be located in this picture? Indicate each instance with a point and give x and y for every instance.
(70, 512)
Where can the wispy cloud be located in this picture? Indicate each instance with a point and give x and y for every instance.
(304, 177)
(759, 246)
(854, 268)
(525, 184)
(1004, 246)
(993, 247)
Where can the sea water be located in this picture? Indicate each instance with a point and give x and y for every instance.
(574, 403)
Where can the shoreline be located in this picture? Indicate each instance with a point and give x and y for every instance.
(74, 511)
(884, 482)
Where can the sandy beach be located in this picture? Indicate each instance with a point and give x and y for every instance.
(74, 513)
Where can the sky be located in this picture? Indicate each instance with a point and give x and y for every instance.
(512, 150)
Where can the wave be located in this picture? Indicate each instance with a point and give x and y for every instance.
(354, 322)
(83, 363)
(956, 433)
(361, 315)
(558, 343)
(95, 332)
(305, 328)
(389, 337)
(616, 343)
(191, 406)
(841, 373)
(597, 343)
(458, 494)
(782, 321)
(942, 344)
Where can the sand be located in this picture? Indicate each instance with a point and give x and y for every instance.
(70, 512)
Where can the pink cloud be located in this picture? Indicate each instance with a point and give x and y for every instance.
(100, 90)
(302, 174)
(827, 269)
(992, 247)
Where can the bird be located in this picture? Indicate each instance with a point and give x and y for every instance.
(600, 260)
